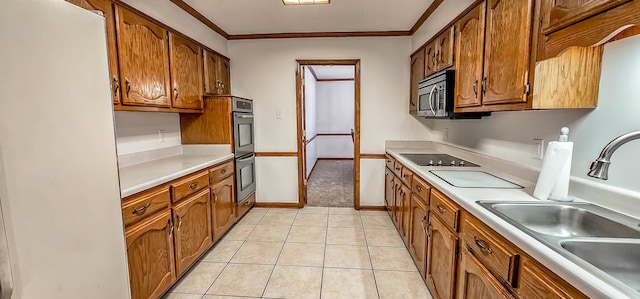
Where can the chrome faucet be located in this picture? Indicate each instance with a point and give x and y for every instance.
(600, 167)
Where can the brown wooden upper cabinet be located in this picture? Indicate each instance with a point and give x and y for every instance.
(493, 56)
(562, 13)
(144, 60)
(439, 53)
(106, 8)
(186, 67)
(217, 74)
(417, 75)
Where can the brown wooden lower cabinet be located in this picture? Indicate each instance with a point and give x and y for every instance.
(388, 188)
(474, 281)
(418, 236)
(536, 282)
(224, 205)
(150, 254)
(192, 220)
(441, 259)
(404, 213)
(397, 202)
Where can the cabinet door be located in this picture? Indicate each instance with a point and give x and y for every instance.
(397, 202)
(417, 75)
(224, 71)
(224, 205)
(211, 73)
(406, 211)
(536, 284)
(562, 13)
(507, 51)
(418, 235)
(150, 255)
(445, 49)
(192, 218)
(474, 281)
(431, 58)
(388, 187)
(186, 70)
(469, 55)
(441, 259)
(106, 8)
(144, 60)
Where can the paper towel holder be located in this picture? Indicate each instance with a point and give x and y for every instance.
(599, 168)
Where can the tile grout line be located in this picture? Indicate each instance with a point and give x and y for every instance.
(324, 254)
(234, 254)
(279, 254)
(366, 242)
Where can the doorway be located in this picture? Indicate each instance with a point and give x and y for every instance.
(328, 115)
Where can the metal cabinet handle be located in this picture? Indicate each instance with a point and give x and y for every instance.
(193, 185)
(475, 87)
(246, 203)
(142, 209)
(116, 86)
(483, 246)
(126, 82)
(405, 176)
(397, 168)
(175, 92)
(424, 219)
(215, 197)
(179, 221)
(429, 230)
(223, 171)
(204, 87)
(440, 208)
(171, 229)
(419, 188)
(484, 85)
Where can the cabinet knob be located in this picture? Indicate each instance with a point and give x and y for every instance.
(419, 188)
(193, 185)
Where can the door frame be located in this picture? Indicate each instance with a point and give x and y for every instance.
(301, 140)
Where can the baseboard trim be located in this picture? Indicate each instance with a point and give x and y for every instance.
(289, 205)
(335, 158)
(312, 168)
(373, 208)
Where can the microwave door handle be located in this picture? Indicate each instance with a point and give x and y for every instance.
(438, 100)
(431, 100)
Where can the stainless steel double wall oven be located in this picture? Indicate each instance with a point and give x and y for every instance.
(243, 144)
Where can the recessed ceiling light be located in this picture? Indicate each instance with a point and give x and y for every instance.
(304, 2)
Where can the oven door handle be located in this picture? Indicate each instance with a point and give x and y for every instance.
(431, 99)
(246, 159)
(244, 116)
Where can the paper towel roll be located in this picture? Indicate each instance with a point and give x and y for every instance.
(555, 173)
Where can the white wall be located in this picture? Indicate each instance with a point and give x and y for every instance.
(438, 19)
(138, 131)
(509, 134)
(265, 71)
(335, 115)
(311, 114)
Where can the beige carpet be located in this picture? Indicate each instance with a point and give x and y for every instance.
(331, 184)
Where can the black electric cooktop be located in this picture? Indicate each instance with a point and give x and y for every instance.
(437, 160)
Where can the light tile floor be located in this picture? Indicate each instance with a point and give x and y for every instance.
(315, 252)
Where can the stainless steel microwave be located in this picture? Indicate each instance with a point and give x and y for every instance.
(436, 97)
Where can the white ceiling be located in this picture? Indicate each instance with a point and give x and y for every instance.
(334, 71)
(271, 16)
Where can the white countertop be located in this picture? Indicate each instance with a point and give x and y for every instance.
(139, 177)
(579, 277)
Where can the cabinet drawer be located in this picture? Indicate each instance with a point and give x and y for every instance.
(141, 205)
(245, 206)
(421, 189)
(407, 176)
(494, 254)
(397, 168)
(189, 184)
(390, 162)
(446, 209)
(220, 172)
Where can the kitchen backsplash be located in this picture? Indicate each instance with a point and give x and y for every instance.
(144, 131)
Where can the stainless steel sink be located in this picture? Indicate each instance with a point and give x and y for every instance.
(618, 259)
(564, 220)
(604, 242)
